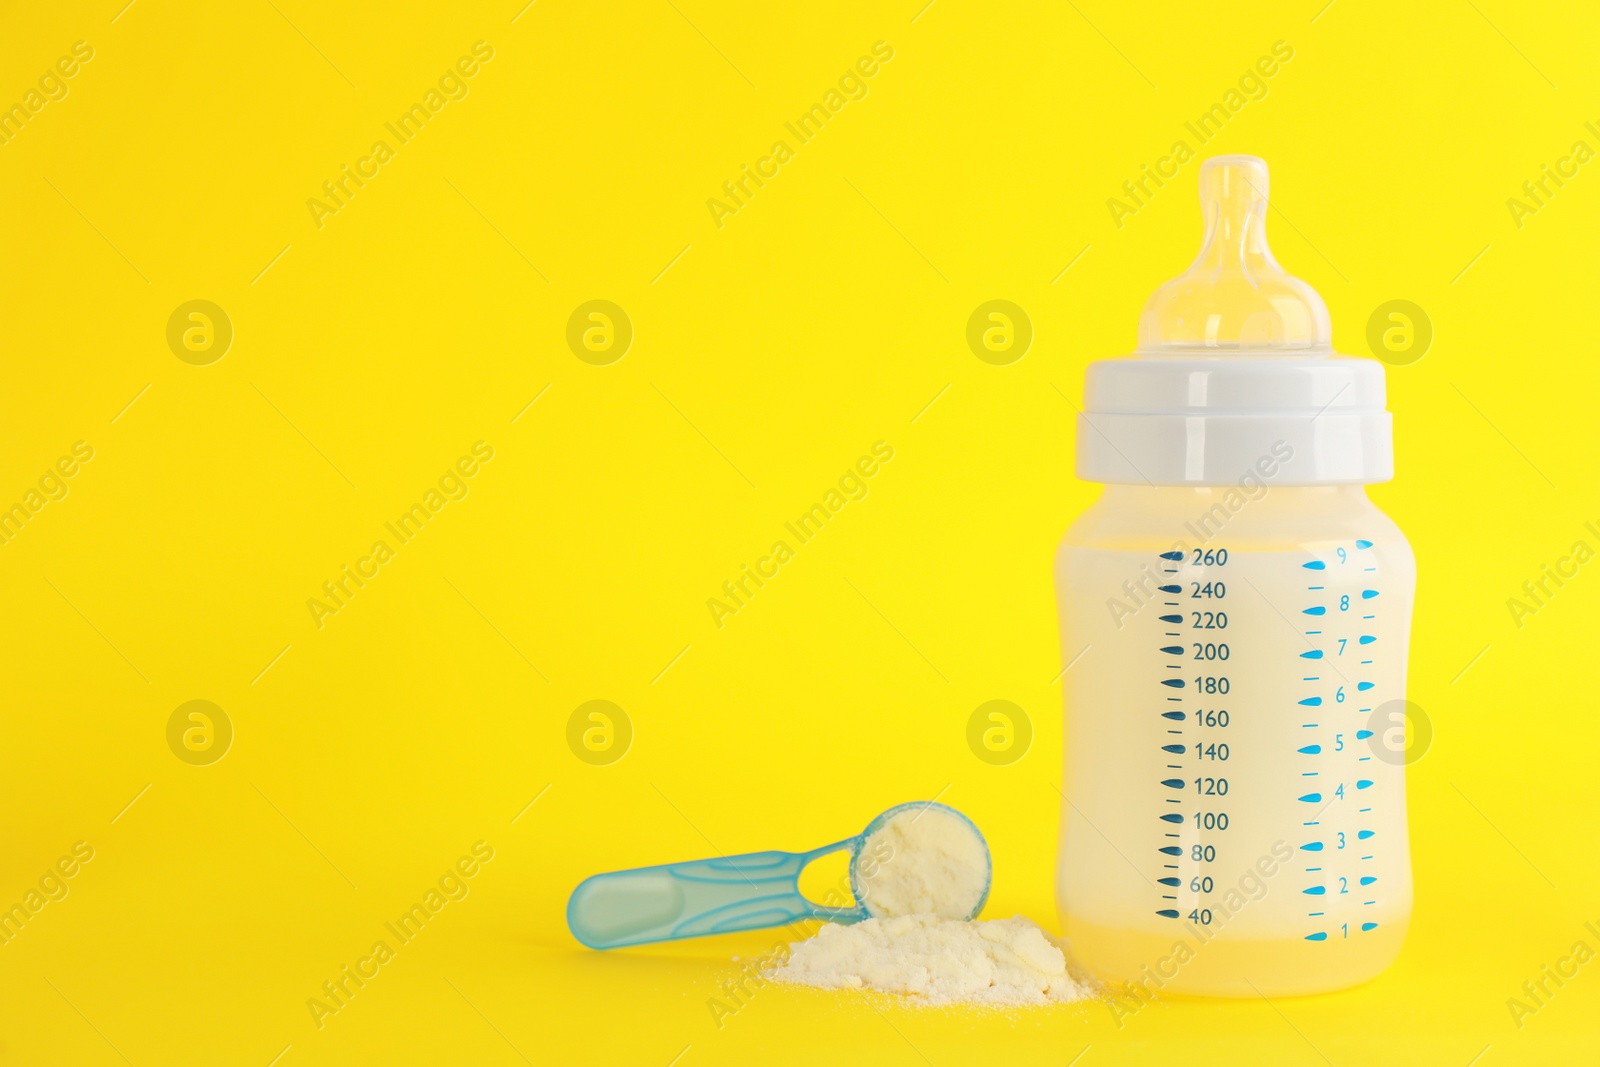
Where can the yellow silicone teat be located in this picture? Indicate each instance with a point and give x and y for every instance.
(1234, 298)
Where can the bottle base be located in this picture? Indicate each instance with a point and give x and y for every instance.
(1143, 964)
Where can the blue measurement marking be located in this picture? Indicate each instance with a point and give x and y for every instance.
(1366, 640)
(1168, 881)
(1367, 879)
(1175, 556)
(1362, 687)
(1364, 783)
(1368, 594)
(1315, 891)
(1309, 750)
(1170, 588)
(1366, 663)
(1170, 850)
(1172, 650)
(1315, 588)
(1315, 611)
(1363, 835)
(1172, 817)
(1311, 702)
(1308, 774)
(1368, 926)
(1363, 544)
(1315, 565)
(1369, 616)
(1311, 846)
(1315, 653)
(1173, 619)
(1178, 749)
(1176, 683)
(1307, 725)
(1312, 798)
(1172, 783)
(1168, 913)
(1321, 935)
(1176, 716)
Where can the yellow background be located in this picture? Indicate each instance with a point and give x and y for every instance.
(768, 355)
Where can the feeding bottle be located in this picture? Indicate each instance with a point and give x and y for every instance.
(1235, 615)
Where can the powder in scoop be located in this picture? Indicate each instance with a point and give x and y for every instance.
(923, 861)
(936, 961)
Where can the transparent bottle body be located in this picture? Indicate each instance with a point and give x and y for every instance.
(1234, 821)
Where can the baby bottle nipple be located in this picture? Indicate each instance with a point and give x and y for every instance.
(1234, 299)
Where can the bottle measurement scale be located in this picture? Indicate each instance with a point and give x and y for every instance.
(1192, 745)
(1234, 610)
(1200, 775)
(1344, 610)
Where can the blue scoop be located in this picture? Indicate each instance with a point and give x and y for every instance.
(719, 896)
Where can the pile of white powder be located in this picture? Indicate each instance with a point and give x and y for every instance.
(936, 961)
(920, 876)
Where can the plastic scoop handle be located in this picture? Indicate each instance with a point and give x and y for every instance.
(700, 897)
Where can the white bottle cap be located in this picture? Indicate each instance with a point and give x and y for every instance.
(1235, 372)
